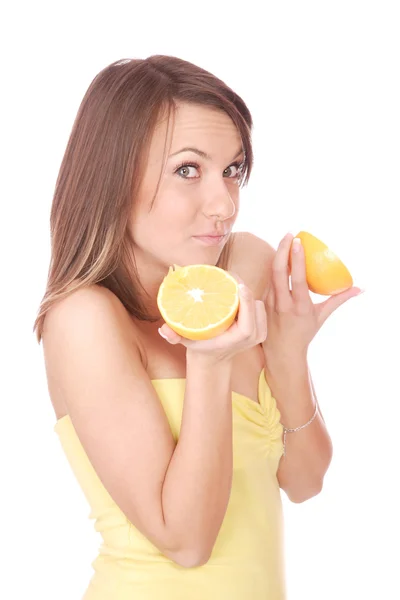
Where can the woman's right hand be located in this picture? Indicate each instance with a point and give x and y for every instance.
(247, 331)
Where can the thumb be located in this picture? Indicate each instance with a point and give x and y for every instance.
(236, 276)
(169, 334)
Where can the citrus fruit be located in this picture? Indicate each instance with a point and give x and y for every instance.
(198, 301)
(325, 272)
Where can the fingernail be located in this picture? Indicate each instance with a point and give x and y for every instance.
(162, 334)
(296, 244)
(243, 290)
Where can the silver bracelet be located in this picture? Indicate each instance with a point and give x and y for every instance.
(285, 430)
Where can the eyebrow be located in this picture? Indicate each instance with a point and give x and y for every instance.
(203, 154)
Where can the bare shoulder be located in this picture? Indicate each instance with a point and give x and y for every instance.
(90, 322)
(90, 306)
(252, 259)
(83, 305)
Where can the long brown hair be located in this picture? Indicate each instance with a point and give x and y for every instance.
(102, 169)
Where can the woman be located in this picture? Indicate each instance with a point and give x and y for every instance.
(176, 444)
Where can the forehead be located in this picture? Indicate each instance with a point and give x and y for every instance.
(206, 128)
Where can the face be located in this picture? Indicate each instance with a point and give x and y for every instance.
(198, 187)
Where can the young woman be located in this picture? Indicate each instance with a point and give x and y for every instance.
(177, 445)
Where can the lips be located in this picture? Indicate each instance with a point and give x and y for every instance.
(212, 234)
(210, 240)
(207, 235)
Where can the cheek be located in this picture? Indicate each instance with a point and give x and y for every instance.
(175, 206)
(170, 218)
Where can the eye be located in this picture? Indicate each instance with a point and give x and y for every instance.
(188, 171)
(234, 171)
(185, 170)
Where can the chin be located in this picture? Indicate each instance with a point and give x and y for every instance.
(206, 255)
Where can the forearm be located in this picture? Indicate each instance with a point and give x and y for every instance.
(309, 450)
(198, 480)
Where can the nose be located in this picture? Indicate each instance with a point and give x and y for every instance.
(219, 202)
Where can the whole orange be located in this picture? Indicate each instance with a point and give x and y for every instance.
(325, 272)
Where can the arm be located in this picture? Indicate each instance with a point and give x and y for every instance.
(308, 451)
(198, 481)
(176, 494)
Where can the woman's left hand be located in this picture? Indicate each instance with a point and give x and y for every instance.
(292, 318)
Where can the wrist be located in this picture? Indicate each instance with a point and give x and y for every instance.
(284, 356)
(206, 362)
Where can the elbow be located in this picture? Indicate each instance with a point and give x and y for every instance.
(188, 555)
(299, 496)
(191, 558)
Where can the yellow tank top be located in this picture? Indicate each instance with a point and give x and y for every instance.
(247, 562)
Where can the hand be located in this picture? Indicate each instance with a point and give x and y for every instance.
(293, 319)
(247, 331)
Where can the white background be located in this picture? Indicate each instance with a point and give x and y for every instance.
(322, 82)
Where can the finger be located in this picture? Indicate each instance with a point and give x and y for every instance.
(239, 281)
(246, 315)
(300, 292)
(280, 276)
(174, 338)
(325, 309)
(236, 276)
(169, 334)
(261, 321)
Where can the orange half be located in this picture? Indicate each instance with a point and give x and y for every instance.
(198, 301)
(325, 272)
